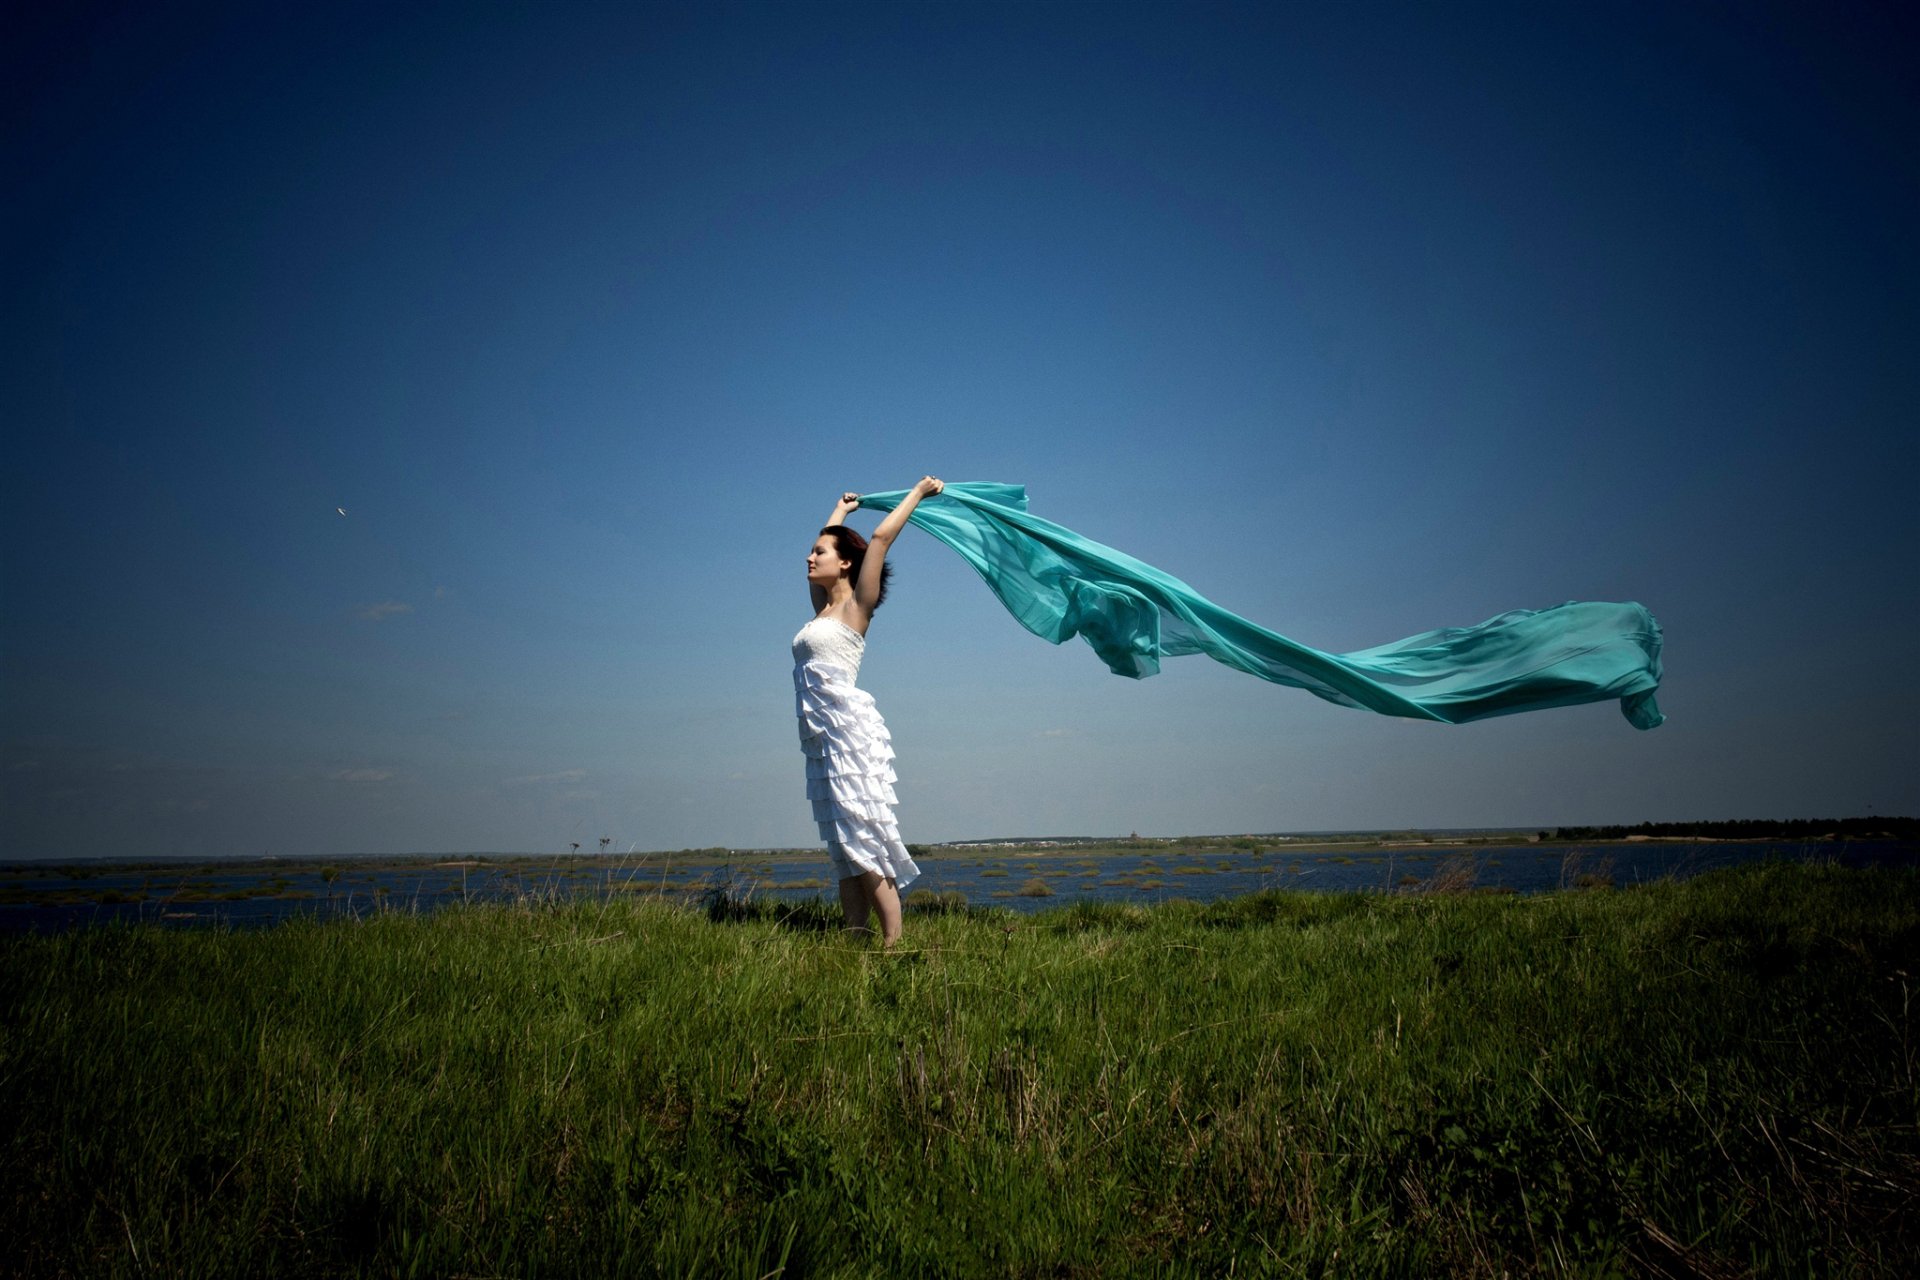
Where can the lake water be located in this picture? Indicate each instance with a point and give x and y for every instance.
(266, 891)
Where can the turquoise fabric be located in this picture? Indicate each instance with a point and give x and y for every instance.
(1059, 584)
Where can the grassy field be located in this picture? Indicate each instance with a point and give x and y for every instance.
(1713, 1078)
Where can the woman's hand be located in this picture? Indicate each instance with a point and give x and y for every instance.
(929, 485)
(848, 504)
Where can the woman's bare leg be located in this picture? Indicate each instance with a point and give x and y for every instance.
(854, 902)
(885, 895)
(865, 895)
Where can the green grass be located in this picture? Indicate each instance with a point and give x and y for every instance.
(1716, 1077)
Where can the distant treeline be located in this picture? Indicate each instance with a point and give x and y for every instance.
(1756, 829)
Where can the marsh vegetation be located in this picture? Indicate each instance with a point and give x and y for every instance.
(1715, 1077)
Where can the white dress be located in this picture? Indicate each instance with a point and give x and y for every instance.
(849, 754)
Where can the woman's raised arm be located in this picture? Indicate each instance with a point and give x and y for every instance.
(848, 504)
(866, 591)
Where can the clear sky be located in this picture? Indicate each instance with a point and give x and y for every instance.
(1362, 319)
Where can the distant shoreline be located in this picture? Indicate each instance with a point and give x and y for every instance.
(1435, 840)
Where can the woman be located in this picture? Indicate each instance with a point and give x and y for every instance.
(849, 755)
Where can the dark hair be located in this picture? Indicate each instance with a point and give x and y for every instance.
(853, 548)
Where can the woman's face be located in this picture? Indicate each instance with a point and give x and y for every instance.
(824, 565)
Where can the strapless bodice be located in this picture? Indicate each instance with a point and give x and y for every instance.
(830, 640)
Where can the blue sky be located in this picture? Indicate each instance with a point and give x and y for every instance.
(1364, 320)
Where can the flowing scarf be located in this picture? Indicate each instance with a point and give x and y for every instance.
(1059, 584)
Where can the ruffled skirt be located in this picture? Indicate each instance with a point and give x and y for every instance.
(850, 773)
